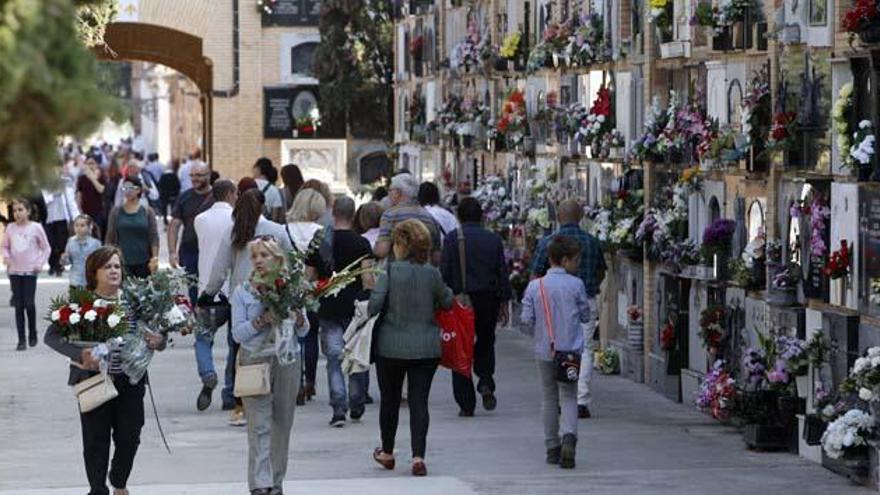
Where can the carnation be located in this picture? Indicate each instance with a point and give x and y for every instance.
(113, 320)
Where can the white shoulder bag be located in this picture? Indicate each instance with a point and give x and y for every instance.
(93, 392)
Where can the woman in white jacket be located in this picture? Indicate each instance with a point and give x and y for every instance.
(308, 207)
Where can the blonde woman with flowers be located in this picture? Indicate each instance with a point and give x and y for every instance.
(257, 329)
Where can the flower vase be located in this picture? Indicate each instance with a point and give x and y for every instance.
(838, 286)
(803, 385)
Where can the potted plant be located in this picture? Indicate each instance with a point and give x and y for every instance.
(837, 269)
(607, 361)
(635, 329)
(845, 443)
(712, 329)
(715, 251)
(863, 19)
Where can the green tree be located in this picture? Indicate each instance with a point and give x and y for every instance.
(47, 85)
(354, 64)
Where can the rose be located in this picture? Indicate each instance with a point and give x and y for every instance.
(866, 394)
(113, 320)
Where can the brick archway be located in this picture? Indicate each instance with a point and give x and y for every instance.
(180, 51)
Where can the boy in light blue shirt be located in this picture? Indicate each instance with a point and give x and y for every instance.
(79, 247)
(564, 298)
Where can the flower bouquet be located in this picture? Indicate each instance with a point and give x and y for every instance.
(841, 113)
(83, 318)
(838, 264)
(862, 19)
(715, 250)
(847, 432)
(861, 153)
(607, 361)
(711, 329)
(510, 45)
(782, 131)
(513, 123)
(161, 306)
(717, 392)
(667, 336)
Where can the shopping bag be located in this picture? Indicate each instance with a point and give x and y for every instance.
(358, 339)
(457, 338)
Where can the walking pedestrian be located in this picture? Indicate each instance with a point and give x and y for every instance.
(120, 418)
(408, 339)
(335, 313)
(194, 160)
(554, 309)
(487, 285)
(169, 189)
(269, 416)
(25, 249)
(292, 178)
(429, 198)
(133, 228)
(233, 264)
(187, 207)
(61, 209)
(367, 225)
(404, 206)
(89, 194)
(324, 190)
(78, 249)
(218, 218)
(149, 190)
(265, 174)
(591, 271)
(108, 198)
(308, 207)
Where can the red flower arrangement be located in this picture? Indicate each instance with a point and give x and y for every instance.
(634, 313)
(622, 194)
(81, 316)
(602, 104)
(416, 45)
(780, 131)
(513, 117)
(863, 13)
(710, 327)
(838, 263)
(667, 336)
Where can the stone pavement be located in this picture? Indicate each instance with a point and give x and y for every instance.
(637, 441)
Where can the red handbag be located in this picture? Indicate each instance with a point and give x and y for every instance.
(456, 338)
(457, 333)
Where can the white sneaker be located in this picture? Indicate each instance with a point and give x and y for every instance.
(236, 418)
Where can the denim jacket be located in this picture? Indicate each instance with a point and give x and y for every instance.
(257, 342)
(569, 308)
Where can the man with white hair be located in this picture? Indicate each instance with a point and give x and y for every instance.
(402, 193)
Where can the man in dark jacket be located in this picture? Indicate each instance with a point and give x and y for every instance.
(488, 285)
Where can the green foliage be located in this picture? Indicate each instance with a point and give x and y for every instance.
(92, 17)
(47, 89)
(354, 63)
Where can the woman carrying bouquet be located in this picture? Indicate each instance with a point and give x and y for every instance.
(269, 416)
(120, 418)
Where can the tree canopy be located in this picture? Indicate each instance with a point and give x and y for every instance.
(354, 64)
(48, 84)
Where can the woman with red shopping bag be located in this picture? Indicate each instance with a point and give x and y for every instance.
(475, 268)
(407, 341)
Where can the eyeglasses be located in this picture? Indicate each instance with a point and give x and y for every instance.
(265, 237)
(205, 174)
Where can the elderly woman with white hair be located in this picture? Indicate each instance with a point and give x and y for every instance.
(269, 415)
(403, 194)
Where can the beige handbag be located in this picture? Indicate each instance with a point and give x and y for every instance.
(93, 392)
(252, 379)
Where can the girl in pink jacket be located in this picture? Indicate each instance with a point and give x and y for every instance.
(25, 250)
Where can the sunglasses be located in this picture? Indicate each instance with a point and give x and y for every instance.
(131, 188)
(265, 237)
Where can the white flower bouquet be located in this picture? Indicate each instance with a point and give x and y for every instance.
(847, 432)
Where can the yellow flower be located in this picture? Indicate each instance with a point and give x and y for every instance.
(510, 45)
(658, 4)
(689, 174)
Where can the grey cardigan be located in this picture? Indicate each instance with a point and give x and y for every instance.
(414, 292)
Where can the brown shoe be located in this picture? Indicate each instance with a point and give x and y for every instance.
(385, 463)
(419, 469)
(309, 391)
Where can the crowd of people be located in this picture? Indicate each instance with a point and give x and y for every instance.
(224, 232)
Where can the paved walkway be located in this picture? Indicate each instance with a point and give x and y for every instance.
(637, 441)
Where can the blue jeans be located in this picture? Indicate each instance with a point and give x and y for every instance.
(229, 375)
(204, 344)
(332, 344)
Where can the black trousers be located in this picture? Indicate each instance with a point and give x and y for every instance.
(419, 373)
(57, 234)
(486, 306)
(310, 349)
(24, 288)
(120, 419)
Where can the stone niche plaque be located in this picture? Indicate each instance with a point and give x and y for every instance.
(869, 254)
(791, 318)
(322, 159)
(293, 13)
(842, 329)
